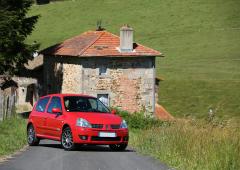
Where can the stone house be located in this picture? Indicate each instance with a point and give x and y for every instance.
(16, 91)
(24, 87)
(118, 71)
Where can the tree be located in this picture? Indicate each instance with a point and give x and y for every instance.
(15, 26)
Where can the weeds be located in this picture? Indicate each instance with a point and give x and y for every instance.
(187, 143)
(12, 135)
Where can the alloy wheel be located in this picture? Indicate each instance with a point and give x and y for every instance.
(67, 139)
(31, 134)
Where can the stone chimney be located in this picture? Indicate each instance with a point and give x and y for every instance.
(126, 39)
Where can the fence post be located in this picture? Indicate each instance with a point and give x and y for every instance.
(7, 105)
(11, 107)
(4, 106)
(1, 106)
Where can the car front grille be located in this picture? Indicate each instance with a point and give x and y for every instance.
(96, 138)
(97, 126)
(100, 126)
(115, 126)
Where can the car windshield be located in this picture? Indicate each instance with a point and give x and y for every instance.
(84, 104)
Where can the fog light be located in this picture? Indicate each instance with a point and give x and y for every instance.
(125, 138)
(82, 137)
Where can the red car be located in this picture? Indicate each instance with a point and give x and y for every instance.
(76, 119)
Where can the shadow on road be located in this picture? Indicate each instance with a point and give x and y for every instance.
(87, 148)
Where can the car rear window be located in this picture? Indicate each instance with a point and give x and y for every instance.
(42, 103)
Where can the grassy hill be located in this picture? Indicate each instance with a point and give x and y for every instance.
(200, 39)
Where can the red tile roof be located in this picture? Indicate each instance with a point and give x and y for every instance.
(96, 43)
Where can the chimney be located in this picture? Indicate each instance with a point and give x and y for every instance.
(126, 39)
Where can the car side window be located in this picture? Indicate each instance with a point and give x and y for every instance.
(42, 103)
(55, 103)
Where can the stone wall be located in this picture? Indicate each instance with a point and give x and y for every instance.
(24, 90)
(20, 91)
(128, 81)
(27, 93)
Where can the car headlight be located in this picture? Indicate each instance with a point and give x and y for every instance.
(124, 125)
(83, 123)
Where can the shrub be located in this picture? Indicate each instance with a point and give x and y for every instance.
(139, 120)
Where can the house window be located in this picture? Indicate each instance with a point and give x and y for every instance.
(104, 98)
(102, 71)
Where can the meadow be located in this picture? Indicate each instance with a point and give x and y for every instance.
(191, 145)
(13, 135)
(210, 143)
(200, 40)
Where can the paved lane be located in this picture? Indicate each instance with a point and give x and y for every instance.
(49, 156)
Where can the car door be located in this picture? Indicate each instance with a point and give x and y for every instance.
(54, 120)
(39, 115)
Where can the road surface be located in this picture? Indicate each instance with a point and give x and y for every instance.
(49, 156)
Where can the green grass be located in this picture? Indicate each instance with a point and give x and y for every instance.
(209, 143)
(200, 39)
(12, 135)
(191, 145)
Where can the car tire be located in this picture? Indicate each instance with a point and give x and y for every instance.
(118, 147)
(67, 139)
(31, 136)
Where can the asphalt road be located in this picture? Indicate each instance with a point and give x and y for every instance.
(50, 156)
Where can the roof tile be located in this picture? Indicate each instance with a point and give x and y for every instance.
(96, 44)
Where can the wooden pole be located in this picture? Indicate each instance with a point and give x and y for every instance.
(1, 106)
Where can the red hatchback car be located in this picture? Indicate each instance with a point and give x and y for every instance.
(76, 119)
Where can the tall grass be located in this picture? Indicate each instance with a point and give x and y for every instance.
(191, 145)
(209, 144)
(12, 135)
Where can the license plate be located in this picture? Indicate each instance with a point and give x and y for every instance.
(107, 134)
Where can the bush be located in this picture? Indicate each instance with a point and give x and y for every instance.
(41, 2)
(139, 120)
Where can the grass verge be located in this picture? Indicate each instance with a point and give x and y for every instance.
(211, 144)
(190, 145)
(12, 135)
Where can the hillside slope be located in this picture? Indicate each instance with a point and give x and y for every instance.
(200, 39)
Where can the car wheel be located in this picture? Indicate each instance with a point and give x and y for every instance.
(118, 147)
(31, 136)
(67, 139)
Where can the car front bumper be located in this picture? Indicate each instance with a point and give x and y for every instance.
(91, 136)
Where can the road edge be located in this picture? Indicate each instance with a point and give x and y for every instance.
(7, 157)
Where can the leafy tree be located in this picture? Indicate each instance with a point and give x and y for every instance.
(15, 26)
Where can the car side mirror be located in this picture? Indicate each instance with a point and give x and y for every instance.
(56, 110)
(113, 112)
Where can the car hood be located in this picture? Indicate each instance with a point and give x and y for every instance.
(99, 118)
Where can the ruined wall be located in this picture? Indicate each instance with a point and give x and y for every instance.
(128, 81)
(24, 90)
(20, 92)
